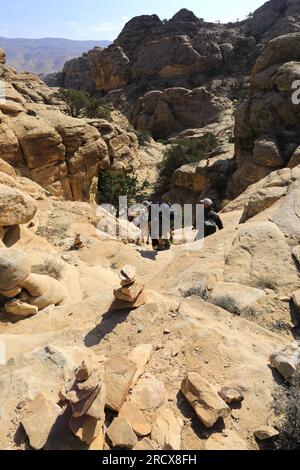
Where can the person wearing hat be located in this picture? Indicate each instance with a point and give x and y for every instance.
(212, 220)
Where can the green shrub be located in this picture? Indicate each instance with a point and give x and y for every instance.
(111, 186)
(97, 108)
(75, 100)
(80, 104)
(186, 151)
(143, 136)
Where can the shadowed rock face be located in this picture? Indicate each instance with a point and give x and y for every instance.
(275, 18)
(167, 112)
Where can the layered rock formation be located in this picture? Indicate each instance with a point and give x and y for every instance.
(267, 124)
(151, 55)
(59, 152)
(149, 48)
(167, 112)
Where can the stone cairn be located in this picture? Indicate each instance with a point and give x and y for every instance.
(78, 242)
(132, 293)
(86, 395)
(24, 294)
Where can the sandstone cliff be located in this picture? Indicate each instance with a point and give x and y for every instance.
(142, 71)
(61, 153)
(267, 124)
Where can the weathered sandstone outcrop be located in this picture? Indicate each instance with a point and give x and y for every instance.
(167, 112)
(61, 153)
(33, 289)
(208, 178)
(267, 124)
(16, 207)
(149, 48)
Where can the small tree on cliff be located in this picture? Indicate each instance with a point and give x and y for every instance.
(111, 186)
(185, 151)
(80, 104)
(97, 108)
(75, 100)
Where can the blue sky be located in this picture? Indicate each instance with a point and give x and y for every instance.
(96, 19)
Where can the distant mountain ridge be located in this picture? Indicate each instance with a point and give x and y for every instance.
(44, 56)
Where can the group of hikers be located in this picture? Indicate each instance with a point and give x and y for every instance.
(156, 221)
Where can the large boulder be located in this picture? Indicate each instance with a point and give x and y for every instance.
(234, 297)
(275, 18)
(260, 257)
(287, 216)
(169, 56)
(194, 181)
(35, 290)
(48, 291)
(286, 361)
(16, 207)
(282, 49)
(262, 195)
(175, 109)
(15, 267)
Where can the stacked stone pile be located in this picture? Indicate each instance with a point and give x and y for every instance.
(86, 396)
(131, 294)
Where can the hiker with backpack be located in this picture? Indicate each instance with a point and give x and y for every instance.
(212, 220)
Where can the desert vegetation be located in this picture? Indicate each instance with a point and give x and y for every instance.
(81, 104)
(184, 151)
